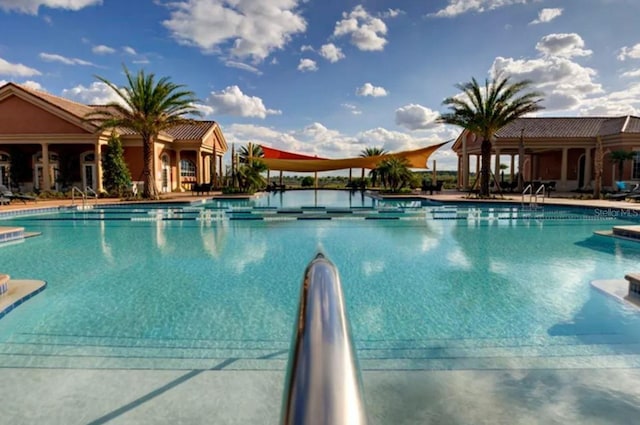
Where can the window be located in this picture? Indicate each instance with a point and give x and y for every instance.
(635, 173)
(187, 168)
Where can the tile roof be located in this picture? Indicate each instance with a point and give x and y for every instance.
(569, 127)
(74, 108)
(194, 131)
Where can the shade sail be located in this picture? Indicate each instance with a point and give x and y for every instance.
(415, 158)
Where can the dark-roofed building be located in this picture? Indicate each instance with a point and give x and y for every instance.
(47, 135)
(560, 150)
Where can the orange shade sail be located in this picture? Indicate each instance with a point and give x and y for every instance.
(275, 159)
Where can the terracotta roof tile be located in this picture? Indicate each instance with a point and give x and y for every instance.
(74, 108)
(569, 127)
(633, 126)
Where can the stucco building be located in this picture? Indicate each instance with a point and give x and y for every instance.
(561, 150)
(46, 135)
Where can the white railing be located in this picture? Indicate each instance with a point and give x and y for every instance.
(93, 193)
(533, 196)
(75, 190)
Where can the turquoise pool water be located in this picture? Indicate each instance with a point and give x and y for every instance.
(427, 286)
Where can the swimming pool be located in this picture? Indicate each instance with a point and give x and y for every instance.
(428, 287)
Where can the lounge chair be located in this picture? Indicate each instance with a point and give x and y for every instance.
(624, 193)
(5, 193)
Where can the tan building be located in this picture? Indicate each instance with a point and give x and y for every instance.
(48, 137)
(560, 150)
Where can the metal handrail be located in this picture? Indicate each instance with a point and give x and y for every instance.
(75, 189)
(529, 189)
(538, 192)
(95, 195)
(323, 384)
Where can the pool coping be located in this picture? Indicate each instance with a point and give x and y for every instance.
(19, 291)
(617, 289)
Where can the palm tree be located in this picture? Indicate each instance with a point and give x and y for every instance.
(619, 157)
(146, 106)
(485, 110)
(249, 175)
(371, 151)
(250, 151)
(394, 172)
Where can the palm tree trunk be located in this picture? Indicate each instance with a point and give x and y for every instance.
(485, 172)
(150, 191)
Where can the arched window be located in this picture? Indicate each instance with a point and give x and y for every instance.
(187, 168)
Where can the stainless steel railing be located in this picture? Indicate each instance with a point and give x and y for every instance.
(323, 384)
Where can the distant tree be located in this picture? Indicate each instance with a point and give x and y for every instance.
(116, 177)
(619, 157)
(307, 181)
(369, 152)
(394, 173)
(250, 177)
(485, 110)
(251, 150)
(146, 106)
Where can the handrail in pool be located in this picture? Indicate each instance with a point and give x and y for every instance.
(323, 384)
(75, 189)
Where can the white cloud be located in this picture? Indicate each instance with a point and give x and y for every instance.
(101, 49)
(34, 85)
(351, 108)
(416, 117)
(98, 93)
(391, 13)
(129, 50)
(563, 45)
(16, 69)
(629, 52)
(52, 57)
(367, 32)
(565, 84)
(243, 66)
(331, 52)
(231, 101)
(369, 89)
(307, 65)
(252, 28)
(631, 74)
(31, 6)
(307, 48)
(547, 15)
(459, 7)
(623, 102)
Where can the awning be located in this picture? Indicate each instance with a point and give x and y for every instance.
(275, 159)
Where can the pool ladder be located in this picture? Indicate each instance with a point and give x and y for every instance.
(83, 196)
(323, 383)
(533, 196)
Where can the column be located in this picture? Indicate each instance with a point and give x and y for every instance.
(563, 168)
(513, 172)
(179, 172)
(496, 167)
(465, 163)
(587, 167)
(98, 157)
(199, 167)
(46, 177)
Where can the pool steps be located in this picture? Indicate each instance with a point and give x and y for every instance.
(563, 352)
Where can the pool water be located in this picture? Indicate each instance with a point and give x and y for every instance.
(427, 286)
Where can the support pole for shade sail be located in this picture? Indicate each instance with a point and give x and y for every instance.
(350, 170)
(315, 179)
(280, 178)
(434, 176)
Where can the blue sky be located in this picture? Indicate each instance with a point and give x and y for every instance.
(330, 78)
